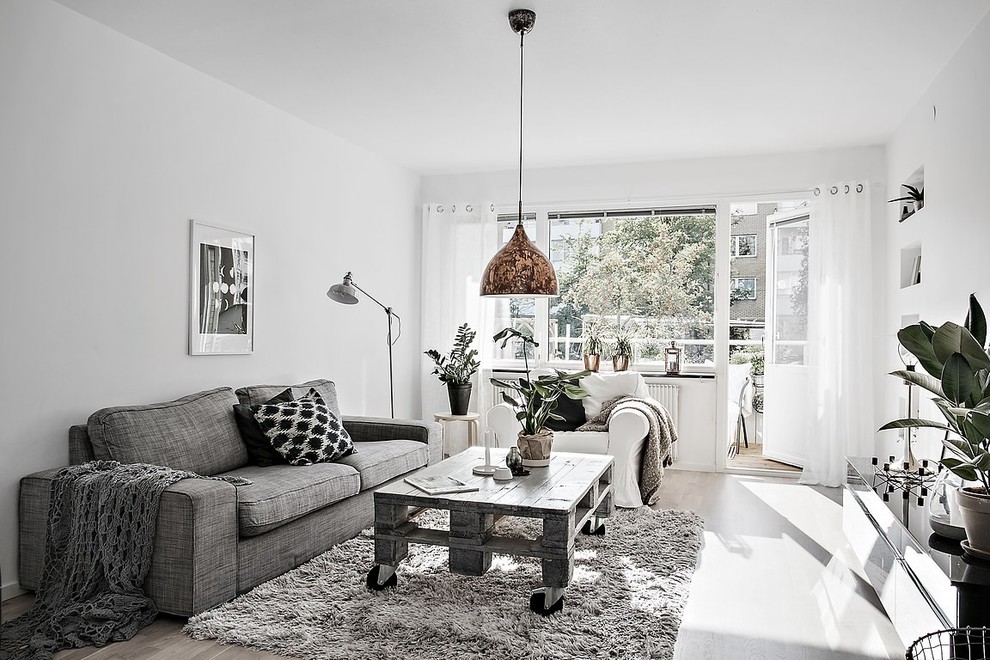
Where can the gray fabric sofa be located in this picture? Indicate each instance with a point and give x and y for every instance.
(215, 540)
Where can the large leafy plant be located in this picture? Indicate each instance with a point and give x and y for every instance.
(536, 400)
(958, 374)
(457, 367)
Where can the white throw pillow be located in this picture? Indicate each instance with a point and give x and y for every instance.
(603, 387)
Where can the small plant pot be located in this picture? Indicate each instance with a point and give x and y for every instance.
(535, 449)
(459, 397)
(620, 363)
(592, 362)
(757, 380)
(974, 505)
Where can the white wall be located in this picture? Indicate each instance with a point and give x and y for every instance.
(953, 143)
(108, 149)
(702, 415)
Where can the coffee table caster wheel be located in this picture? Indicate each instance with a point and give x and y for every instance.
(538, 604)
(374, 578)
(598, 531)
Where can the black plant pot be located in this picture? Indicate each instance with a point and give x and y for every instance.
(459, 397)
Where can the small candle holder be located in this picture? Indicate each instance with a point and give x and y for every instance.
(486, 470)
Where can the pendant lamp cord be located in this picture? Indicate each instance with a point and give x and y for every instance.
(522, 37)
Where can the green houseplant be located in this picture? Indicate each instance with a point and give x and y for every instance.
(456, 368)
(535, 401)
(621, 349)
(958, 375)
(592, 348)
(914, 195)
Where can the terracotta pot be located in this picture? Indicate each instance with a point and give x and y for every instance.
(459, 397)
(974, 504)
(535, 449)
(592, 362)
(620, 363)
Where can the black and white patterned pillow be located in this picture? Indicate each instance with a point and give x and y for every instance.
(304, 431)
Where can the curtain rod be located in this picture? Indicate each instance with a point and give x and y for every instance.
(655, 201)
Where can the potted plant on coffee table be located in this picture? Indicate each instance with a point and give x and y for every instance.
(958, 375)
(456, 368)
(535, 402)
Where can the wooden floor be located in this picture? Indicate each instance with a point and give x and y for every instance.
(772, 583)
(752, 458)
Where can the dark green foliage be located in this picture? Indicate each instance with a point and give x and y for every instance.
(536, 400)
(958, 374)
(460, 364)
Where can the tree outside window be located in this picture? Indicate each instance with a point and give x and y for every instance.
(649, 275)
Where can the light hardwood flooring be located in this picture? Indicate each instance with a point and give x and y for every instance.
(752, 458)
(772, 583)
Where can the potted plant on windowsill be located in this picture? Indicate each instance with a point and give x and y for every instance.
(456, 368)
(593, 348)
(958, 374)
(535, 401)
(621, 350)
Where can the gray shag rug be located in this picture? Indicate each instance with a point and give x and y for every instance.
(625, 600)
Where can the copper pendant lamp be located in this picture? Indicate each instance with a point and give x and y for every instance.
(520, 269)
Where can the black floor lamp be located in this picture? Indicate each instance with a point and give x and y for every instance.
(344, 293)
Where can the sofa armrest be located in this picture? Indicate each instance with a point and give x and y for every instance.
(194, 564)
(371, 429)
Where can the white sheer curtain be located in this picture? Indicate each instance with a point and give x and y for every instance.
(458, 241)
(840, 330)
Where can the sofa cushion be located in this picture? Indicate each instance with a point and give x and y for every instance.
(304, 431)
(255, 394)
(605, 387)
(259, 447)
(196, 433)
(281, 493)
(379, 461)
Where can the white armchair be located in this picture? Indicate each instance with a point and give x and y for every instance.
(627, 431)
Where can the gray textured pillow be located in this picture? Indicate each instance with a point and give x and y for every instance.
(253, 395)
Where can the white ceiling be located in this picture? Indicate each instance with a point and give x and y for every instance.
(433, 84)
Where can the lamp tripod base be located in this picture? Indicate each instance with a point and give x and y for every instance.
(485, 470)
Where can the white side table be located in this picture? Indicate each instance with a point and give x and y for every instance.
(473, 423)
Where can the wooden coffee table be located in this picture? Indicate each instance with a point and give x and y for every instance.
(573, 493)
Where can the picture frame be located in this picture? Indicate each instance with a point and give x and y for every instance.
(221, 290)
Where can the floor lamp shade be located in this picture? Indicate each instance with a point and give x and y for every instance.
(519, 269)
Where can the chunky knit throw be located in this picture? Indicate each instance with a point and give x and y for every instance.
(101, 528)
(656, 451)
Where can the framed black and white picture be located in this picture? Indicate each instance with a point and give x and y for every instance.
(221, 310)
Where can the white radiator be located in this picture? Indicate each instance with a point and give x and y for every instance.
(665, 394)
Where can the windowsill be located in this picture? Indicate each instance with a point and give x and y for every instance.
(645, 372)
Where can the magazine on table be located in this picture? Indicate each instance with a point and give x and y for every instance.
(440, 485)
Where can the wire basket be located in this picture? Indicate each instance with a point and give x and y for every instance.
(952, 644)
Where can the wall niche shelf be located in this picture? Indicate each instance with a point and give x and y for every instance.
(917, 181)
(910, 273)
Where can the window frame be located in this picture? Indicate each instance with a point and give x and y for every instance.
(756, 284)
(734, 250)
(544, 214)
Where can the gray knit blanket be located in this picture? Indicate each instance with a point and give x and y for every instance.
(101, 528)
(656, 452)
